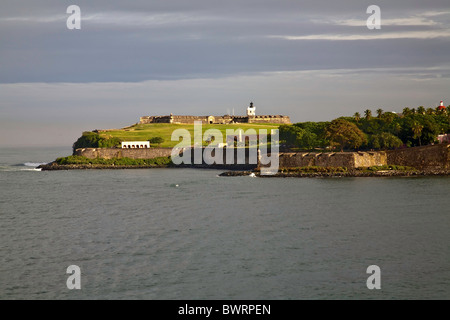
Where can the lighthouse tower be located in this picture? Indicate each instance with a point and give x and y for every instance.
(441, 107)
(251, 110)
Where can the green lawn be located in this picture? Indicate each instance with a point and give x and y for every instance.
(144, 132)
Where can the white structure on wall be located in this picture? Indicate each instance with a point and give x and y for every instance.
(251, 110)
(135, 145)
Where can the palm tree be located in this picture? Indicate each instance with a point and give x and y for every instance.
(430, 111)
(421, 110)
(357, 116)
(406, 111)
(368, 114)
(379, 113)
(417, 130)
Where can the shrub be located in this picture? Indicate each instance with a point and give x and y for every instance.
(156, 140)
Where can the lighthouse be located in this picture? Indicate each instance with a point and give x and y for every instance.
(251, 110)
(441, 107)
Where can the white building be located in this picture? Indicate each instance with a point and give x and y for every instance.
(135, 145)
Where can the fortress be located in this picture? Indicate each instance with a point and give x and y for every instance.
(251, 117)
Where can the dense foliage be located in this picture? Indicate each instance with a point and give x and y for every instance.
(385, 130)
(94, 140)
(344, 134)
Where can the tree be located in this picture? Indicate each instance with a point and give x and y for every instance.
(430, 111)
(368, 114)
(308, 140)
(291, 135)
(384, 141)
(357, 116)
(156, 140)
(406, 111)
(343, 133)
(389, 117)
(379, 113)
(316, 128)
(417, 130)
(90, 139)
(396, 127)
(421, 110)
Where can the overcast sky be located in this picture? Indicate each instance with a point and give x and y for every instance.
(311, 60)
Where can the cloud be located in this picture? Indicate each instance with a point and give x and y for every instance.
(121, 18)
(376, 35)
(435, 13)
(412, 21)
(34, 19)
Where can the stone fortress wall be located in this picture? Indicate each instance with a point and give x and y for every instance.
(434, 157)
(251, 117)
(226, 119)
(349, 160)
(110, 153)
(427, 157)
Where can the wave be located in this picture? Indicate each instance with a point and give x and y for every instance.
(29, 164)
(31, 169)
(33, 164)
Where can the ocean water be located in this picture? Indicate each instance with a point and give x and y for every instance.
(190, 234)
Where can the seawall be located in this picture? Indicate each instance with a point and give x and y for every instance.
(433, 157)
(109, 153)
(349, 160)
(426, 157)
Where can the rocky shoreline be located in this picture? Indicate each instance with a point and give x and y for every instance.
(386, 173)
(53, 166)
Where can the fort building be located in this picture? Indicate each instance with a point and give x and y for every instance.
(251, 117)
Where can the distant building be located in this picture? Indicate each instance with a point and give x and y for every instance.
(441, 107)
(251, 117)
(135, 145)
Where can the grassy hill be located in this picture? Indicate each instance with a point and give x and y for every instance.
(144, 132)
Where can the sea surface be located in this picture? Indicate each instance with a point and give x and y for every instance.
(190, 234)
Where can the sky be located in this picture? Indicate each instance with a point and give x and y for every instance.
(311, 60)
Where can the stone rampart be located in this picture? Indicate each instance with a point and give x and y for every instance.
(333, 159)
(279, 119)
(109, 153)
(426, 157)
(423, 158)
